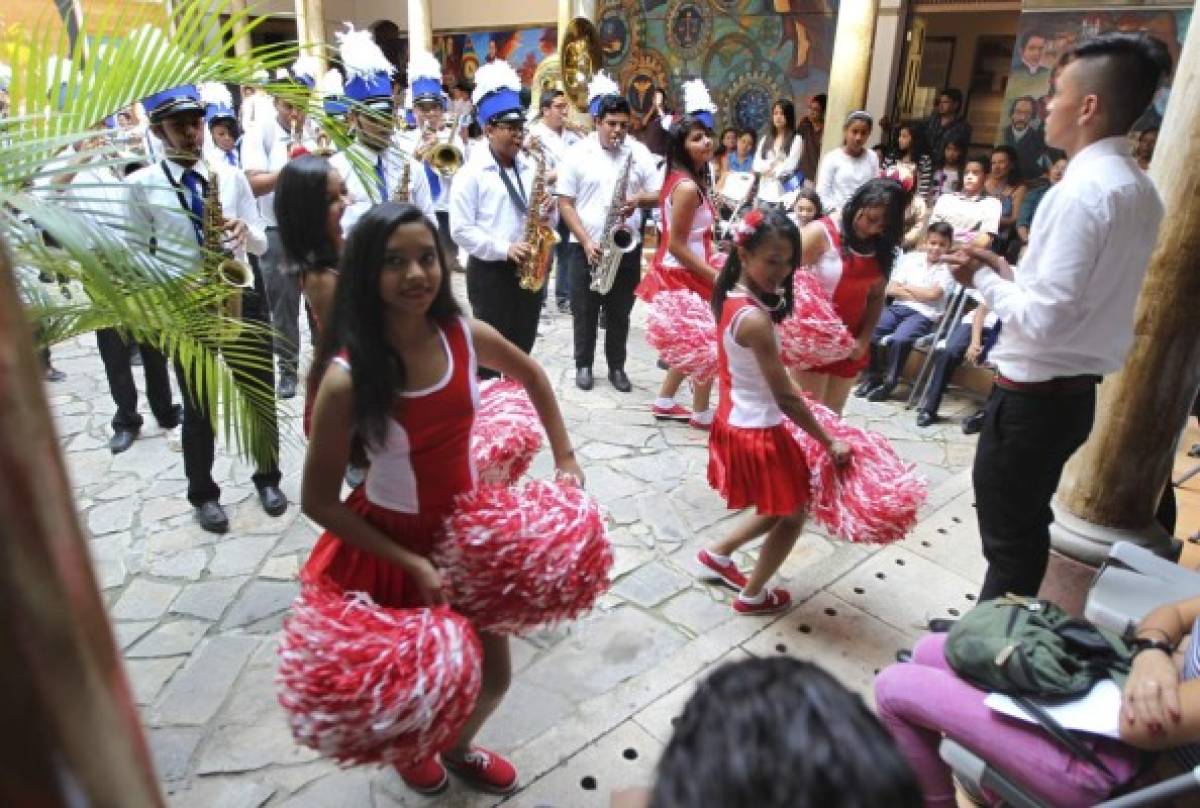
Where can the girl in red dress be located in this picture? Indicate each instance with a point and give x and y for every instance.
(685, 251)
(753, 459)
(396, 365)
(852, 256)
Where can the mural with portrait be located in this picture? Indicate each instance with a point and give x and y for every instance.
(461, 54)
(749, 52)
(1042, 37)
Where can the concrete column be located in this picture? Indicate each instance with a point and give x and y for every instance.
(886, 60)
(851, 66)
(241, 45)
(1111, 487)
(420, 27)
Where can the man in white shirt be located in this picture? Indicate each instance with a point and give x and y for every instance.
(166, 212)
(554, 136)
(1067, 317)
(489, 208)
(587, 181)
(266, 148)
(918, 288)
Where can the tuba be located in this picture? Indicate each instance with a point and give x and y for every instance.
(221, 269)
(579, 53)
(618, 237)
(540, 236)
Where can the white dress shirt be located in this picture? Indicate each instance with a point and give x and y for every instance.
(363, 197)
(160, 224)
(840, 175)
(589, 176)
(483, 218)
(555, 144)
(914, 269)
(968, 215)
(265, 147)
(775, 166)
(1069, 310)
(410, 141)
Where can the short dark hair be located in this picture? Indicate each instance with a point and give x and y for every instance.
(954, 94)
(780, 731)
(1129, 69)
(823, 100)
(1148, 130)
(548, 97)
(1014, 162)
(464, 86)
(612, 104)
(1028, 35)
(1028, 98)
(942, 229)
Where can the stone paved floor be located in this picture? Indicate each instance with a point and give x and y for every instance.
(591, 706)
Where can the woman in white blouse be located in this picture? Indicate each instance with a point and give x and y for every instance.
(778, 157)
(850, 165)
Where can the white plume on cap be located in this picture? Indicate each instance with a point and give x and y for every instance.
(424, 65)
(602, 84)
(260, 75)
(408, 102)
(213, 92)
(5, 76)
(307, 66)
(331, 83)
(494, 76)
(361, 57)
(696, 97)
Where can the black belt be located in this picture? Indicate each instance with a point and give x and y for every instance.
(1059, 385)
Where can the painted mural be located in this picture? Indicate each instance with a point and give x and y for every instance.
(523, 48)
(1041, 38)
(749, 52)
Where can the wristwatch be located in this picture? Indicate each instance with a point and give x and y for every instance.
(1141, 644)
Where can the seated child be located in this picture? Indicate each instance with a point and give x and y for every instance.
(970, 340)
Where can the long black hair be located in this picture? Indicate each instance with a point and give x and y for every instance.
(358, 323)
(677, 156)
(889, 195)
(775, 222)
(301, 208)
(916, 139)
(780, 732)
(789, 122)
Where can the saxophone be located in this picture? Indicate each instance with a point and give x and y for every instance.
(540, 236)
(220, 268)
(403, 192)
(618, 237)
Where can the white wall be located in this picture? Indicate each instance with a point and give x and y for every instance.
(448, 15)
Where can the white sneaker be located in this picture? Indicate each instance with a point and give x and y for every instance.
(175, 438)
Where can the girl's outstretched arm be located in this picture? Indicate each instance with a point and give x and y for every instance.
(756, 333)
(495, 352)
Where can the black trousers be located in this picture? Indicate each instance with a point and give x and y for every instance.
(562, 277)
(449, 248)
(198, 437)
(586, 305)
(497, 299)
(114, 353)
(1025, 442)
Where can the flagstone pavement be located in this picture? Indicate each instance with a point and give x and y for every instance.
(592, 703)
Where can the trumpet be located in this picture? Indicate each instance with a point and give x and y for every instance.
(443, 157)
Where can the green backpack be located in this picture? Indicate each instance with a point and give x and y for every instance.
(1027, 647)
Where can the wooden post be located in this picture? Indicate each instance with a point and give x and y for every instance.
(71, 731)
(241, 45)
(850, 67)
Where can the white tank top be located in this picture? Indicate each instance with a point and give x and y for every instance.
(702, 223)
(752, 402)
(828, 267)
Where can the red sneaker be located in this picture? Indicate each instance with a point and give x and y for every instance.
(727, 571)
(703, 426)
(776, 601)
(485, 771)
(673, 413)
(427, 778)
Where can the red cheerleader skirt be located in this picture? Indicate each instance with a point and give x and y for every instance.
(762, 467)
(662, 278)
(356, 570)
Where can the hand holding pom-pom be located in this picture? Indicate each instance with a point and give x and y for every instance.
(506, 434)
(813, 335)
(518, 559)
(364, 684)
(682, 329)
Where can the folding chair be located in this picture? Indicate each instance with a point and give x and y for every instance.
(1131, 583)
(936, 341)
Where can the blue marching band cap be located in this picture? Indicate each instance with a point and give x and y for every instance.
(698, 103)
(497, 95)
(599, 87)
(368, 71)
(425, 78)
(218, 103)
(184, 98)
(333, 93)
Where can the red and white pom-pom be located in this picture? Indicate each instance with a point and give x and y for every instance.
(682, 330)
(518, 559)
(507, 432)
(365, 684)
(813, 335)
(874, 499)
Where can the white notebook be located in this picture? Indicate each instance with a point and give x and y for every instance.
(1097, 712)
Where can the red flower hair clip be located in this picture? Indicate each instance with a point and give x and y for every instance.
(747, 227)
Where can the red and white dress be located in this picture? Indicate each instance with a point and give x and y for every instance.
(847, 279)
(413, 480)
(666, 273)
(752, 458)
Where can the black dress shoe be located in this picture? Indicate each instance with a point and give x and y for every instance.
(925, 418)
(881, 392)
(904, 655)
(121, 440)
(211, 517)
(287, 386)
(619, 380)
(864, 387)
(583, 378)
(135, 356)
(174, 419)
(941, 625)
(973, 423)
(662, 365)
(53, 374)
(273, 500)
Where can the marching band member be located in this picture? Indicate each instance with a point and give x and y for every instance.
(333, 95)
(429, 109)
(224, 141)
(166, 210)
(552, 132)
(489, 209)
(372, 119)
(265, 149)
(605, 230)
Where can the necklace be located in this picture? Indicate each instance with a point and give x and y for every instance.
(779, 303)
